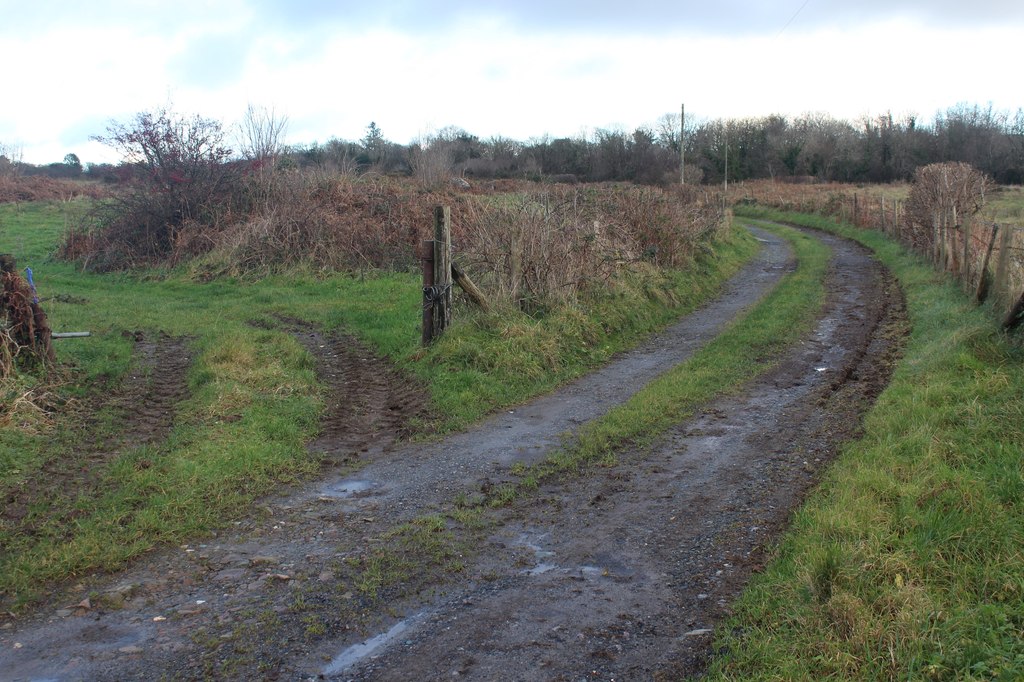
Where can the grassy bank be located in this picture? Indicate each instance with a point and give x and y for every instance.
(906, 563)
(253, 396)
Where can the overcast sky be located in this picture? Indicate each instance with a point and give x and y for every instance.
(520, 70)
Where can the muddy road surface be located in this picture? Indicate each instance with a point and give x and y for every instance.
(621, 574)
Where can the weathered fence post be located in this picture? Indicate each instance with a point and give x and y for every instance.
(427, 258)
(985, 279)
(472, 291)
(442, 269)
(437, 277)
(1002, 275)
(965, 266)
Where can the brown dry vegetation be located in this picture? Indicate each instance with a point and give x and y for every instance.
(552, 242)
(14, 188)
(24, 331)
(528, 241)
(326, 222)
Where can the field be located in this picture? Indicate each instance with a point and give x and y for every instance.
(87, 490)
(248, 475)
(1003, 205)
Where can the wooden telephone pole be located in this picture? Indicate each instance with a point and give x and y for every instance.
(682, 144)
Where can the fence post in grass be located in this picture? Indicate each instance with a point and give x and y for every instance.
(985, 279)
(442, 269)
(965, 265)
(1002, 274)
(427, 259)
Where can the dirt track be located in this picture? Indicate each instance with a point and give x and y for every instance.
(622, 574)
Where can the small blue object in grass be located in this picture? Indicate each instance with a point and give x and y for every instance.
(28, 276)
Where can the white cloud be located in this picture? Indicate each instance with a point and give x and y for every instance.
(485, 72)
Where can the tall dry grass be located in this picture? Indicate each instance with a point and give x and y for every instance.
(15, 188)
(547, 244)
(528, 244)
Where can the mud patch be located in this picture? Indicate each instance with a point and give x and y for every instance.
(156, 383)
(369, 404)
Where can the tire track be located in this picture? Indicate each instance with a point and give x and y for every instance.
(625, 574)
(186, 612)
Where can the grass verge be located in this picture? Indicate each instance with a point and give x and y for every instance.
(748, 348)
(906, 563)
(254, 400)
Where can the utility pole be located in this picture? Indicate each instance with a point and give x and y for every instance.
(727, 158)
(682, 144)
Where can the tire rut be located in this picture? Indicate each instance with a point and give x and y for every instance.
(369, 405)
(144, 407)
(625, 574)
(227, 607)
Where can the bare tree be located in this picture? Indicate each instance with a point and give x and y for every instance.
(10, 158)
(261, 135)
(432, 161)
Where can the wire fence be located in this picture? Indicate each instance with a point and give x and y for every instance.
(986, 257)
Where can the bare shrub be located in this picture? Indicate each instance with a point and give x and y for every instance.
(541, 246)
(942, 197)
(177, 174)
(667, 223)
(261, 135)
(432, 162)
(10, 159)
(261, 142)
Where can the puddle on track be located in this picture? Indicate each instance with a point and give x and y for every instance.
(348, 488)
(357, 652)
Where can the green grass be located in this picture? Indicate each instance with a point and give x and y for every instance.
(1005, 205)
(906, 563)
(254, 397)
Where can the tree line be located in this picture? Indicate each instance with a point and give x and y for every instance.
(813, 147)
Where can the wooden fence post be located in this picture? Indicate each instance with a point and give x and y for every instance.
(427, 258)
(985, 279)
(1002, 274)
(442, 269)
(965, 266)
